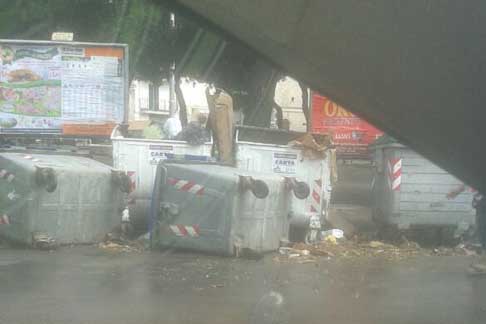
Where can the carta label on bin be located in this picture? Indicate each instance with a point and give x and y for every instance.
(158, 153)
(284, 163)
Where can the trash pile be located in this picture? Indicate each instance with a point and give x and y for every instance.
(122, 238)
(111, 246)
(332, 248)
(461, 249)
(43, 241)
(299, 253)
(194, 134)
(339, 247)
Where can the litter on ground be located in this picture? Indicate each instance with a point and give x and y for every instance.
(342, 248)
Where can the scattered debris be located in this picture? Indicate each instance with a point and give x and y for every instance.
(43, 241)
(467, 250)
(195, 133)
(376, 244)
(298, 253)
(310, 147)
(337, 233)
(405, 243)
(305, 252)
(285, 250)
(331, 239)
(332, 248)
(127, 246)
(478, 268)
(449, 251)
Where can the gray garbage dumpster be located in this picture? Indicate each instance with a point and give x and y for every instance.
(288, 161)
(410, 191)
(67, 199)
(219, 209)
(268, 150)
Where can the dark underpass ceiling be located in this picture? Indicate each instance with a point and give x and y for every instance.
(416, 69)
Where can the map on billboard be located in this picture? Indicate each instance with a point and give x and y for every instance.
(44, 86)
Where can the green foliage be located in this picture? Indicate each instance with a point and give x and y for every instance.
(142, 24)
(153, 43)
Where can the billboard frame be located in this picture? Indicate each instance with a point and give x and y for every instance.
(126, 73)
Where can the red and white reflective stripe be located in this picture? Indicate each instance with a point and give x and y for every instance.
(133, 180)
(4, 174)
(316, 196)
(185, 230)
(186, 186)
(4, 220)
(395, 174)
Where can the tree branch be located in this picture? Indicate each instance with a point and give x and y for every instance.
(181, 101)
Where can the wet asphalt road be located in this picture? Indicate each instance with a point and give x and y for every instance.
(88, 285)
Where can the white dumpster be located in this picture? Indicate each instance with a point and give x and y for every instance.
(139, 158)
(290, 162)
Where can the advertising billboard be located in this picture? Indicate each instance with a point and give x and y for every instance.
(351, 134)
(46, 85)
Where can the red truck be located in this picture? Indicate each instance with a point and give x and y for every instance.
(351, 134)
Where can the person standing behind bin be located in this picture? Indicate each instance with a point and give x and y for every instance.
(479, 203)
(221, 122)
(172, 126)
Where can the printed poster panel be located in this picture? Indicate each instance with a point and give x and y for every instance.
(30, 87)
(42, 87)
(284, 163)
(351, 134)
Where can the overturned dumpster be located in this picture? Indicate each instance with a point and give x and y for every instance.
(219, 209)
(58, 199)
(409, 191)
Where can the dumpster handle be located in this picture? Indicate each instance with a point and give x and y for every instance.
(301, 189)
(46, 177)
(258, 187)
